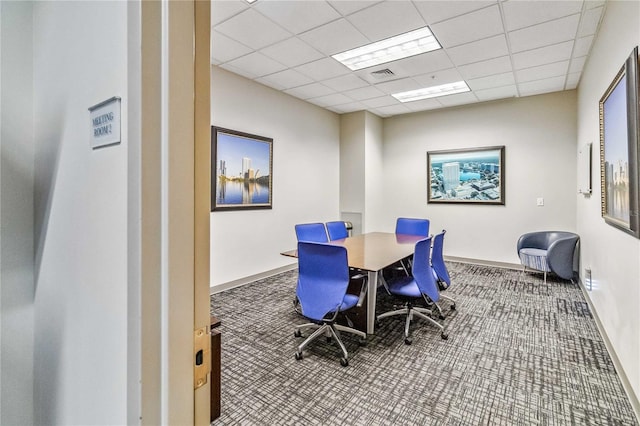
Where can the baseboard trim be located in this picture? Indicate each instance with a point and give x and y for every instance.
(246, 280)
(633, 398)
(504, 265)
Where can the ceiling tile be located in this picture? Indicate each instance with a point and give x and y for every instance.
(362, 93)
(542, 72)
(589, 22)
(387, 19)
(398, 86)
(590, 4)
(224, 49)
(577, 64)
(424, 63)
(330, 100)
(485, 68)
(323, 69)
(470, 27)
(313, 90)
(380, 102)
(458, 99)
(345, 108)
(543, 55)
(257, 64)
(387, 111)
(482, 50)
(496, 93)
(239, 71)
(222, 10)
(572, 81)
(286, 79)
(297, 16)
(582, 46)
(439, 77)
(292, 52)
(347, 7)
(520, 14)
(436, 11)
(423, 105)
(335, 37)
(551, 32)
(345, 82)
(539, 87)
(492, 81)
(252, 29)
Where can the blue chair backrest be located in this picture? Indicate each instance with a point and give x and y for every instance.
(412, 226)
(337, 230)
(437, 258)
(311, 232)
(422, 271)
(323, 278)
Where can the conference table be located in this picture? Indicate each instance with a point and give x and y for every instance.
(372, 252)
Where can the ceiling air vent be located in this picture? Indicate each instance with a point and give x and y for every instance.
(382, 74)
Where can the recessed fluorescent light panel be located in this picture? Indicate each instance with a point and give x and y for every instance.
(391, 49)
(432, 92)
(250, 1)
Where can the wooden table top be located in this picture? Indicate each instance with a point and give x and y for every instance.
(374, 251)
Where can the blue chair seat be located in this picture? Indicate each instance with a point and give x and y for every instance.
(405, 286)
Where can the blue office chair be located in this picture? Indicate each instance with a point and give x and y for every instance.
(440, 269)
(337, 230)
(323, 278)
(422, 284)
(311, 232)
(410, 226)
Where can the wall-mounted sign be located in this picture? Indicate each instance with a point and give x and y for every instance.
(105, 123)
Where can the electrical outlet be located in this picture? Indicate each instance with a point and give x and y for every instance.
(587, 278)
(540, 202)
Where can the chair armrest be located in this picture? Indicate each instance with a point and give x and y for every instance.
(560, 256)
(363, 289)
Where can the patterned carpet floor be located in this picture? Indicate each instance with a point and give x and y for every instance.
(520, 352)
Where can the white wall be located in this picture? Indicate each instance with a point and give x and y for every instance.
(80, 59)
(539, 135)
(306, 175)
(16, 214)
(374, 166)
(612, 255)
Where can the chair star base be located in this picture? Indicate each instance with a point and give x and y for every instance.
(410, 311)
(330, 330)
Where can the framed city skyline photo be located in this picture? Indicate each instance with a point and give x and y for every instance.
(241, 170)
(471, 176)
(619, 149)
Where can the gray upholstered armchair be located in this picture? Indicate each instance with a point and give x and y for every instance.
(550, 251)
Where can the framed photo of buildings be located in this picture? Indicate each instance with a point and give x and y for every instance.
(471, 176)
(619, 151)
(241, 170)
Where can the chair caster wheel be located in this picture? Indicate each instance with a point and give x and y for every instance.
(297, 333)
(298, 356)
(441, 317)
(453, 307)
(329, 339)
(444, 336)
(344, 362)
(362, 342)
(408, 340)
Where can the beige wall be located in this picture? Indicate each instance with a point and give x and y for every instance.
(539, 135)
(612, 255)
(306, 174)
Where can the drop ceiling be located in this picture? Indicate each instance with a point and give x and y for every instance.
(502, 49)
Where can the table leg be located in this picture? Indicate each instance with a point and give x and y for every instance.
(371, 301)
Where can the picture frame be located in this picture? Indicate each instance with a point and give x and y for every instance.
(619, 151)
(466, 176)
(241, 170)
